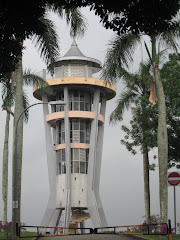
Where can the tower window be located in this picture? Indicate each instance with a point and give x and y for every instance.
(79, 160)
(61, 163)
(79, 100)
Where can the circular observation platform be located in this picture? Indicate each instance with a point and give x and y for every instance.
(80, 82)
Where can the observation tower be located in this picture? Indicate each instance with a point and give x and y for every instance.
(74, 140)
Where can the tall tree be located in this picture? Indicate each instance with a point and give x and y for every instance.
(7, 104)
(119, 54)
(8, 101)
(170, 73)
(135, 95)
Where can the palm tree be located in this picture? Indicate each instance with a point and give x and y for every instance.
(136, 89)
(119, 55)
(7, 104)
(8, 98)
(46, 41)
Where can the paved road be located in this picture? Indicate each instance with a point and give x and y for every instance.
(91, 237)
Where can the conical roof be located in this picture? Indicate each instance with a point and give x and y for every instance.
(74, 51)
(75, 54)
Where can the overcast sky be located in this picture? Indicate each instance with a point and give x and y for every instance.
(121, 188)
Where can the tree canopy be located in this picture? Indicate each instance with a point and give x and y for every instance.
(19, 19)
(136, 136)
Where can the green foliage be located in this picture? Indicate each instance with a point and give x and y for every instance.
(170, 74)
(119, 55)
(7, 95)
(7, 230)
(31, 79)
(143, 129)
(46, 41)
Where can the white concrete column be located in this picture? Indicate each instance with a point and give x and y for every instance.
(51, 162)
(92, 204)
(68, 158)
(99, 148)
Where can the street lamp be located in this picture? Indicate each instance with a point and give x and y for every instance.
(15, 169)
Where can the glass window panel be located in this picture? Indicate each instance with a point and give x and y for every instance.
(62, 96)
(76, 96)
(76, 105)
(76, 125)
(82, 155)
(71, 136)
(82, 167)
(59, 142)
(87, 136)
(81, 96)
(63, 154)
(63, 137)
(71, 124)
(59, 108)
(87, 107)
(87, 154)
(86, 167)
(63, 166)
(70, 96)
(76, 154)
(81, 137)
(82, 106)
(70, 106)
(76, 166)
(82, 125)
(71, 154)
(71, 166)
(59, 168)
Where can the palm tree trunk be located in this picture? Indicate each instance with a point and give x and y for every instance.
(17, 111)
(146, 184)
(146, 168)
(162, 148)
(162, 140)
(5, 169)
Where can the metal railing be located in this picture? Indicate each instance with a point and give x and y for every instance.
(143, 229)
(58, 231)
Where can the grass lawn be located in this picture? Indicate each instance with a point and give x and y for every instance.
(151, 237)
(25, 234)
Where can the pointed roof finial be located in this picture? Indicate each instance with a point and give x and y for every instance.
(74, 50)
(74, 42)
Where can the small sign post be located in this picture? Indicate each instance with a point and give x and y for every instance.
(174, 180)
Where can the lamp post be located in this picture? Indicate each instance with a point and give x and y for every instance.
(15, 169)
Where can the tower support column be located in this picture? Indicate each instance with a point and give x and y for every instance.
(51, 162)
(92, 202)
(99, 148)
(68, 159)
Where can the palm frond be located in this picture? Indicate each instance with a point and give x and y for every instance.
(162, 56)
(25, 105)
(169, 38)
(47, 41)
(124, 102)
(31, 79)
(119, 55)
(74, 18)
(7, 95)
(77, 22)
